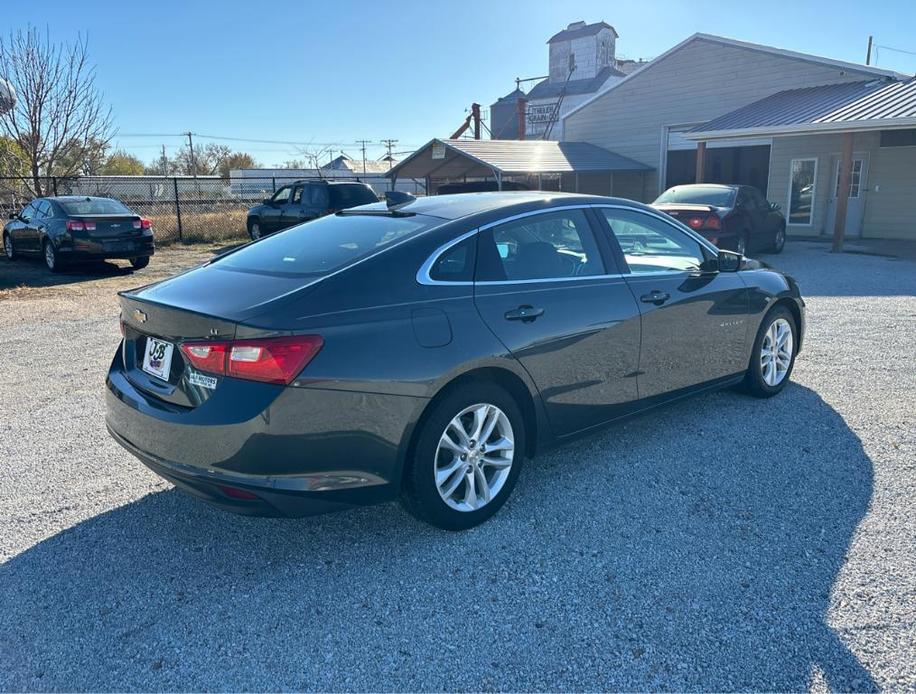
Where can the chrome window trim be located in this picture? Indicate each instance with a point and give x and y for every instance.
(423, 273)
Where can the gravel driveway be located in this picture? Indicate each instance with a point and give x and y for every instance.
(721, 543)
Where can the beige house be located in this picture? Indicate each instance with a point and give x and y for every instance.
(802, 128)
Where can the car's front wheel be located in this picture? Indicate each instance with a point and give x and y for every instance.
(773, 357)
(779, 241)
(8, 247)
(254, 230)
(139, 263)
(467, 457)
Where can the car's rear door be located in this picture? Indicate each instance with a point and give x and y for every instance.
(694, 323)
(542, 287)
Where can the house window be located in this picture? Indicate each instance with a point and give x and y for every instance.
(802, 189)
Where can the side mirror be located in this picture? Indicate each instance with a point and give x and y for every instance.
(729, 261)
(774, 206)
(267, 201)
(14, 215)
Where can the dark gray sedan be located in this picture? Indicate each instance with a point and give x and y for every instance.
(422, 350)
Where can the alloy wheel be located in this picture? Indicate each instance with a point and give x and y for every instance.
(50, 257)
(742, 244)
(255, 231)
(776, 352)
(780, 239)
(474, 457)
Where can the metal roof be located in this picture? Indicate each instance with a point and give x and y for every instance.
(455, 158)
(872, 104)
(547, 89)
(577, 30)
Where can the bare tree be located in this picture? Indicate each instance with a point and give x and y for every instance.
(60, 123)
(314, 156)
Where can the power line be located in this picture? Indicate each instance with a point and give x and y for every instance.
(389, 144)
(291, 143)
(363, 144)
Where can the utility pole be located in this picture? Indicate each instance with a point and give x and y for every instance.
(362, 144)
(191, 151)
(868, 52)
(390, 145)
(164, 162)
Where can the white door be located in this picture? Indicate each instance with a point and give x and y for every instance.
(855, 209)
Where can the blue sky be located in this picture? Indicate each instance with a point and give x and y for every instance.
(335, 72)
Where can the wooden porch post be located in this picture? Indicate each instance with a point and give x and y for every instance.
(701, 162)
(842, 198)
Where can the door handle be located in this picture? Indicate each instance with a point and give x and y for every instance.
(525, 314)
(655, 297)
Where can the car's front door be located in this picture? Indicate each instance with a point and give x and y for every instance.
(543, 288)
(694, 324)
(25, 234)
(291, 213)
(272, 214)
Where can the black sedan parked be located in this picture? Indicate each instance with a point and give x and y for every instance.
(305, 200)
(730, 216)
(71, 228)
(423, 350)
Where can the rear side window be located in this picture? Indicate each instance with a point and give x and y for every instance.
(89, 206)
(325, 244)
(456, 264)
(344, 196)
(554, 245)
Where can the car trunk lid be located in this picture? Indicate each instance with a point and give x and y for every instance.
(107, 226)
(695, 216)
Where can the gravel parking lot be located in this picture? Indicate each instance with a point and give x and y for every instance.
(722, 543)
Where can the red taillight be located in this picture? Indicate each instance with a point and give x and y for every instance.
(207, 356)
(271, 360)
(73, 225)
(142, 223)
(712, 222)
(90, 226)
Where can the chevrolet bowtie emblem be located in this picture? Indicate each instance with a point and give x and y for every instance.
(139, 316)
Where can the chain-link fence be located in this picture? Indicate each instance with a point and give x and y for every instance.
(181, 208)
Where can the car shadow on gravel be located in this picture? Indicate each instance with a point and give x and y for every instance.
(32, 272)
(694, 548)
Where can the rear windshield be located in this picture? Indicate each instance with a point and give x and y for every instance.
(326, 244)
(94, 206)
(343, 196)
(699, 195)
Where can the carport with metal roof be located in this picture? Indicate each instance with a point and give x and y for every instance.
(863, 135)
(574, 166)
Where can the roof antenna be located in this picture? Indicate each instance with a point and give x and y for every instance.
(396, 199)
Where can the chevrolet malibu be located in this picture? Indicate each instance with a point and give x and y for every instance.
(422, 349)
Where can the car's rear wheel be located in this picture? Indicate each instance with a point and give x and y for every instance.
(467, 457)
(254, 230)
(773, 356)
(8, 247)
(51, 260)
(741, 243)
(779, 242)
(139, 263)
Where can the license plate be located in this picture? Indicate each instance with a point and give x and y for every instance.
(158, 358)
(118, 246)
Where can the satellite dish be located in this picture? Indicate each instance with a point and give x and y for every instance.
(7, 96)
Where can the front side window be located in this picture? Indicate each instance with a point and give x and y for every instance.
(325, 244)
(282, 195)
(652, 245)
(553, 245)
(802, 188)
(28, 212)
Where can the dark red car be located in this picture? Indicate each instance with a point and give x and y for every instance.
(737, 218)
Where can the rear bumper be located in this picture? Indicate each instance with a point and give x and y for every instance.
(92, 249)
(300, 451)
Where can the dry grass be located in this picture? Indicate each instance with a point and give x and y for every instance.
(201, 227)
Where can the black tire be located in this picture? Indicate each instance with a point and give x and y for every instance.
(139, 263)
(754, 382)
(52, 260)
(420, 495)
(780, 241)
(743, 238)
(254, 229)
(8, 248)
